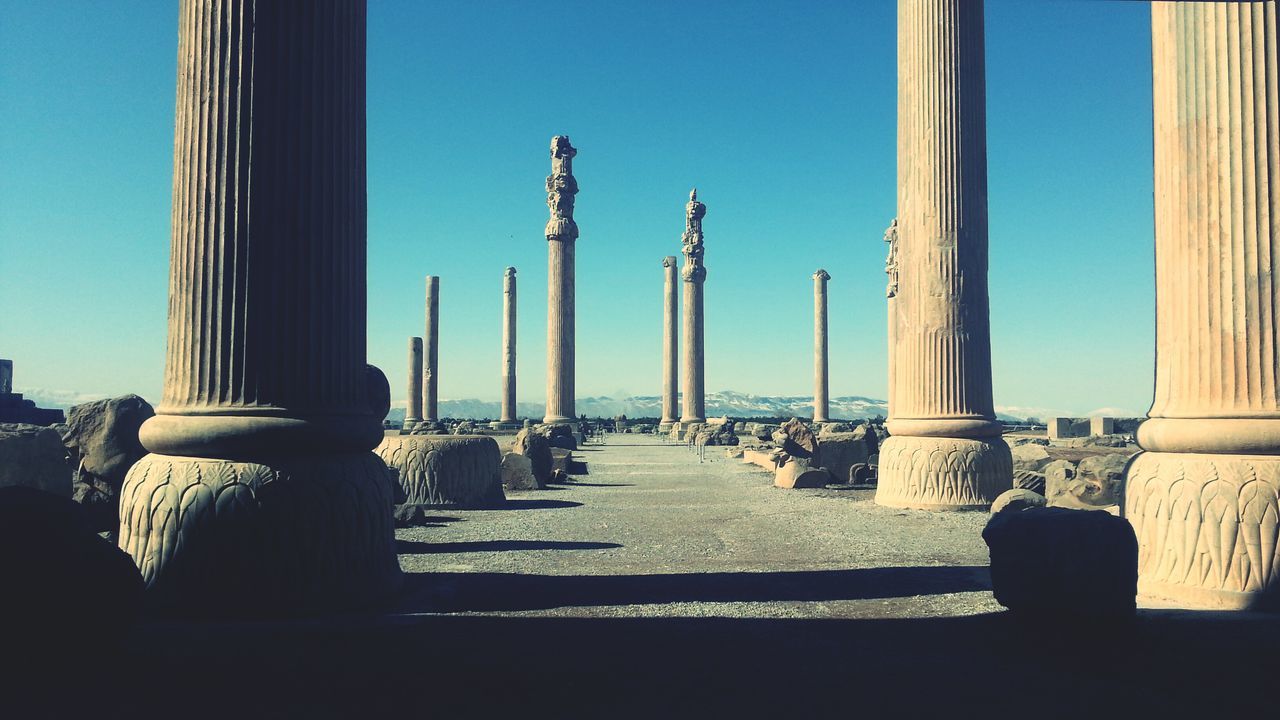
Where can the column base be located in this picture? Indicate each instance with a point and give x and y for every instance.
(941, 473)
(664, 427)
(276, 537)
(1207, 528)
(499, 425)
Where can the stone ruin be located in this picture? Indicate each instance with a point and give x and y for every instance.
(15, 409)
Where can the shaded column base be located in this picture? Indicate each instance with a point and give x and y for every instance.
(276, 537)
(940, 473)
(1208, 528)
(664, 427)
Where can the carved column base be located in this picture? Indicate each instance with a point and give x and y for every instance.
(665, 426)
(939, 473)
(261, 538)
(1207, 528)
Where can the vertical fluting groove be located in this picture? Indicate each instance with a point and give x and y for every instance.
(1215, 100)
(942, 357)
(283, 227)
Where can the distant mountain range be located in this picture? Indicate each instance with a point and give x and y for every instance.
(719, 404)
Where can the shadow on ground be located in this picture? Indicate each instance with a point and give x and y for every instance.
(1166, 664)
(461, 592)
(414, 547)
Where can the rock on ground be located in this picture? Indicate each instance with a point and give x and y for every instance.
(517, 473)
(451, 470)
(1029, 458)
(104, 436)
(797, 440)
(538, 449)
(1053, 563)
(33, 456)
(1017, 499)
(798, 473)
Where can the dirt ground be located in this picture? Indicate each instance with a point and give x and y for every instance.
(658, 585)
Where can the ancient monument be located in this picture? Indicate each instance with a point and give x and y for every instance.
(260, 493)
(1203, 496)
(694, 275)
(670, 346)
(945, 451)
(413, 411)
(821, 404)
(562, 235)
(507, 421)
(431, 373)
(15, 409)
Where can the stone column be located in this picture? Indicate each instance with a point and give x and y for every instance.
(562, 234)
(945, 452)
(670, 345)
(821, 402)
(413, 411)
(694, 275)
(260, 494)
(509, 348)
(431, 373)
(1202, 497)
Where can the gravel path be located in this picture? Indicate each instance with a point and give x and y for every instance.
(650, 531)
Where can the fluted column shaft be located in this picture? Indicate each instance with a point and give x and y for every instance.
(1203, 498)
(431, 335)
(267, 272)
(260, 493)
(670, 343)
(941, 356)
(694, 390)
(821, 401)
(413, 411)
(509, 346)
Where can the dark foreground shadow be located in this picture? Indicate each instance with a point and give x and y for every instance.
(413, 547)
(460, 592)
(1163, 665)
(530, 504)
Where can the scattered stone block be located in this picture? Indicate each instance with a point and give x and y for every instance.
(33, 456)
(734, 453)
(1050, 563)
(517, 473)
(450, 470)
(797, 440)
(69, 591)
(538, 449)
(1095, 483)
(1030, 457)
(841, 451)
(1017, 499)
(103, 436)
(798, 473)
(1029, 480)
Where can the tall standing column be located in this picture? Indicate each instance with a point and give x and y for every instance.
(694, 275)
(945, 452)
(413, 410)
(1203, 496)
(260, 493)
(670, 345)
(508, 347)
(562, 234)
(821, 402)
(431, 372)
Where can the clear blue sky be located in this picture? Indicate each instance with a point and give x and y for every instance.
(782, 114)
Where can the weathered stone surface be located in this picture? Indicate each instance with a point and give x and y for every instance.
(1096, 482)
(538, 449)
(766, 459)
(560, 435)
(448, 470)
(33, 456)
(560, 459)
(1029, 457)
(1053, 562)
(798, 473)
(508, 412)
(517, 473)
(1029, 480)
(821, 404)
(841, 451)
(410, 515)
(797, 440)
(734, 453)
(862, 474)
(61, 580)
(722, 434)
(1057, 475)
(1017, 499)
(103, 435)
